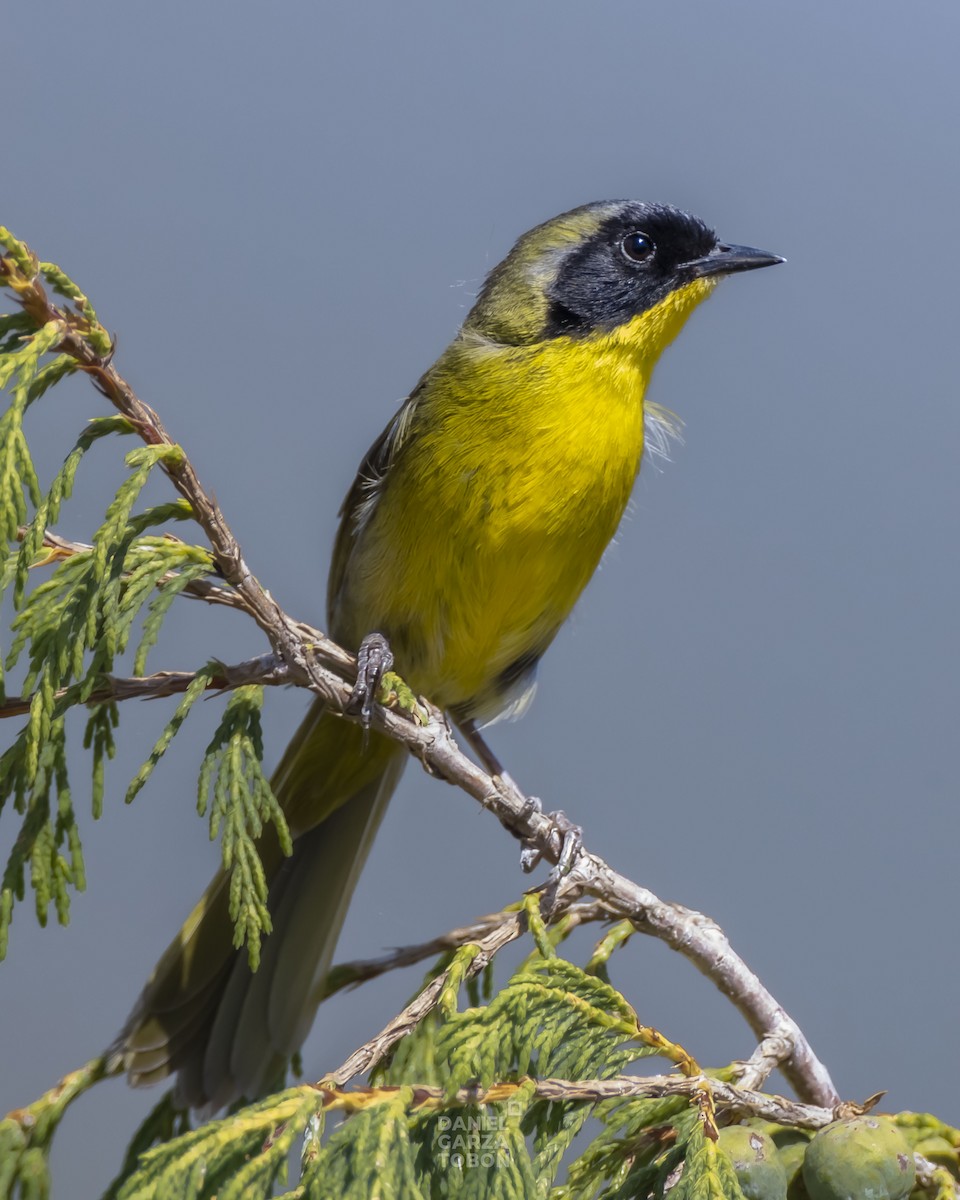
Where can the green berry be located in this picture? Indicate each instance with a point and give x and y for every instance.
(755, 1159)
(863, 1159)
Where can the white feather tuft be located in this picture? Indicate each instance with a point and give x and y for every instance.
(661, 428)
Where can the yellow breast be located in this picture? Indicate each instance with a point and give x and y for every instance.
(512, 478)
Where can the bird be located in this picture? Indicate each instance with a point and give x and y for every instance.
(475, 521)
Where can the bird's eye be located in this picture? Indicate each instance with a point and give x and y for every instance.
(638, 247)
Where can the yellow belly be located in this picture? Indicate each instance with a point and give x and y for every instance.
(511, 478)
(495, 515)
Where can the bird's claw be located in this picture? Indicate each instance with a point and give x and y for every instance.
(566, 836)
(530, 854)
(571, 845)
(378, 683)
(374, 660)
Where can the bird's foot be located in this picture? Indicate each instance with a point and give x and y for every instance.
(377, 683)
(569, 837)
(374, 660)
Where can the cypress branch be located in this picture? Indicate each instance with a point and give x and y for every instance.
(241, 803)
(569, 1026)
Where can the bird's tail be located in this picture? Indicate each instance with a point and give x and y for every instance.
(226, 1030)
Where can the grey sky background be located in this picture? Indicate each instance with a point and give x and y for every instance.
(284, 214)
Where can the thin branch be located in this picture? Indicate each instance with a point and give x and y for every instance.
(404, 1023)
(198, 589)
(352, 974)
(771, 1052)
(280, 630)
(51, 1106)
(690, 933)
(266, 669)
(731, 1099)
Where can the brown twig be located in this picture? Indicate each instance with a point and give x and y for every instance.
(731, 1100)
(305, 651)
(352, 974)
(771, 1052)
(199, 589)
(404, 1023)
(328, 652)
(264, 670)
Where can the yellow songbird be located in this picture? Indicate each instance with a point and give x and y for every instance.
(473, 525)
